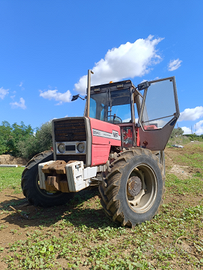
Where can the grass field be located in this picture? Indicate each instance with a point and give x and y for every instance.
(80, 236)
(10, 178)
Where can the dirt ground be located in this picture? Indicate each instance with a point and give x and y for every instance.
(16, 225)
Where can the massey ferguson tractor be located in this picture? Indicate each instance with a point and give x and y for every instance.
(118, 145)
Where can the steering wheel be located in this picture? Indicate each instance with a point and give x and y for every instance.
(114, 119)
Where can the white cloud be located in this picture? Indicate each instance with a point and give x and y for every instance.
(198, 128)
(191, 114)
(174, 64)
(20, 104)
(54, 94)
(3, 92)
(21, 84)
(127, 61)
(186, 130)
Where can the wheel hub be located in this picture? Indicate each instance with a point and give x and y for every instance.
(134, 186)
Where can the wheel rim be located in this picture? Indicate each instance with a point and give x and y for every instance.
(141, 188)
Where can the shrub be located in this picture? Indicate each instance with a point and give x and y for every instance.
(38, 142)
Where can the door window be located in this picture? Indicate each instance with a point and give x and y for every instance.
(160, 105)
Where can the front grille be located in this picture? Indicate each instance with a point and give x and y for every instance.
(70, 130)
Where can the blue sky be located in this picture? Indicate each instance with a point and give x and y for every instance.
(47, 47)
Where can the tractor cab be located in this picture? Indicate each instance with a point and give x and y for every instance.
(112, 102)
(146, 114)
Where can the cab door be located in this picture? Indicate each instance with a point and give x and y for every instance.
(159, 113)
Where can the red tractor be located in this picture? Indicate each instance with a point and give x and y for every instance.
(117, 145)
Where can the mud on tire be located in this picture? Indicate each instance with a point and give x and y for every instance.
(30, 184)
(133, 190)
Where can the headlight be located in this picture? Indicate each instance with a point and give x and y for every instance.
(61, 148)
(81, 147)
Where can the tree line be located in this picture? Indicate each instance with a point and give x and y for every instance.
(179, 132)
(23, 141)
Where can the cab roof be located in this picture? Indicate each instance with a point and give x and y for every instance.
(112, 86)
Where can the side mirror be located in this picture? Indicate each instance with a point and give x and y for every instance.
(75, 97)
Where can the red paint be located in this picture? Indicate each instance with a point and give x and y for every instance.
(101, 146)
(100, 154)
(137, 137)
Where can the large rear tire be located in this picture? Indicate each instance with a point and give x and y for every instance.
(30, 184)
(133, 190)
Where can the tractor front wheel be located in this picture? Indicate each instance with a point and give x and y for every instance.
(31, 188)
(133, 190)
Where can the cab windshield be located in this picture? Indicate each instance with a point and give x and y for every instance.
(111, 106)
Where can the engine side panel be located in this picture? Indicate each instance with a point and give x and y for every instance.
(104, 135)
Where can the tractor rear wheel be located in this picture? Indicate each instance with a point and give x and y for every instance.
(133, 190)
(31, 188)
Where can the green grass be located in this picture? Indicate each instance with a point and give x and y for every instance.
(82, 237)
(192, 156)
(188, 186)
(10, 178)
(194, 160)
(182, 140)
(151, 245)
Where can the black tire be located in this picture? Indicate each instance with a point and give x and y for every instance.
(161, 157)
(30, 184)
(131, 206)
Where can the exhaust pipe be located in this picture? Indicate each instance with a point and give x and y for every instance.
(88, 91)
